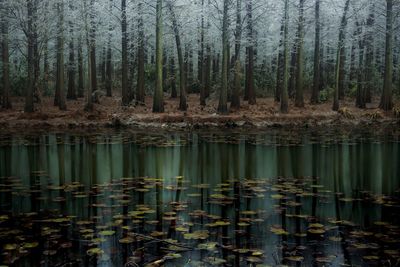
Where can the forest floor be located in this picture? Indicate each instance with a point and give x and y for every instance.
(265, 114)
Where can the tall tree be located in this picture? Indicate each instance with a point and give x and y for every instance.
(92, 37)
(60, 82)
(29, 105)
(339, 61)
(5, 55)
(317, 56)
(361, 93)
(158, 101)
(81, 87)
(250, 55)
(109, 82)
(280, 63)
(124, 68)
(140, 94)
(223, 97)
(386, 99)
(369, 56)
(182, 68)
(284, 92)
(71, 94)
(235, 101)
(299, 102)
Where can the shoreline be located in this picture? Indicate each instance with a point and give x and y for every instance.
(265, 116)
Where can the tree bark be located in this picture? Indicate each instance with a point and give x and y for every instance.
(299, 101)
(158, 101)
(284, 92)
(387, 98)
(339, 59)
(124, 67)
(71, 67)
(317, 55)
(223, 97)
(5, 58)
(60, 84)
(235, 101)
(141, 53)
(29, 106)
(250, 54)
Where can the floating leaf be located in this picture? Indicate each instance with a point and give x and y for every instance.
(31, 245)
(94, 252)
(107, 233)
(126, 240)
(295, 258)
(278, 231)
(10, 247)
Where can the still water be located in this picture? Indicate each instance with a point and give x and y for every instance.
(199, 199)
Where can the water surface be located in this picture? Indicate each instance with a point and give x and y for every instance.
(199, 199)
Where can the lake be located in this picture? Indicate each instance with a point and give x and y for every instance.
(200, 199)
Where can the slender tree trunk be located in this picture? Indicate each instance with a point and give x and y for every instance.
(250, 52)
(141, 54)
(317, 55)
(71, 67)
(158, 101)
(182, 65)
(299, 101)
(29, 106)
(339, 61)
(61, 103)
(223, 98)
(235, 101)
(5, 57)
(81, 87)
(387, 98)
(124, 69)
(174, 93)
(280, 63)
(284, 95)
(201, 61)
(36, 54)
(93, 65)
(109, 82)
(369, 57)
(361, 96)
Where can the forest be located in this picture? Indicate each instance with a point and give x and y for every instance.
(199, 133)
(234, 52)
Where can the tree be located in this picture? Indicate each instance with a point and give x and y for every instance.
(299, 102)
(60, 82)
(109, 55)
(317, 56)
(71, 64)
(182, 68)
(235, 102)
(29, 106)
(5, 56)
(339, 61)
(284, 92)
(140, 79)
(369, 57)
(361, 93)
(223, 97)
(386, 99)
(124, 68)
(158, 101)
(250, 55)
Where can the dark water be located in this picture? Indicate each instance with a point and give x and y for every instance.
(199, 200)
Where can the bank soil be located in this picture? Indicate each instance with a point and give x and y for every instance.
(265, 114)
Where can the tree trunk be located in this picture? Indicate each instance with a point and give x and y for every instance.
(317, 55)
(5, 57)
(71, 67)
(235, 101)
(158, 101)
(284, 94)
(250, 51)
(339, 61)
(369, 57)
(223, 98)
(29, 106)
(60, 83)
(172, 73)
(280, 63)
(81, 87)
(361, 96)
(109, 56)
(140, 79)
(299, 101)
(386, 100)
(124, 67)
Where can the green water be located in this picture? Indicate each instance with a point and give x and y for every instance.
(229, 199)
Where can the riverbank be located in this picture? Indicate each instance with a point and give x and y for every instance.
(265, 115)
